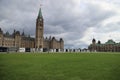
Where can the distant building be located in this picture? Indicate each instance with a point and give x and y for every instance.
(20, 40)
(109, 46)
(16, 40)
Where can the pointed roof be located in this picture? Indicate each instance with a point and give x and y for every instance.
(7, 33)
(40, 13)
(93, 40)
(23, 34)
(61, 39)
(1, 30)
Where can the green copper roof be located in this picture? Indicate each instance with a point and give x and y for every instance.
(110, 42)
(40, 13)
(117, 44)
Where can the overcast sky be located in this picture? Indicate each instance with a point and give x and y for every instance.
(76, 21)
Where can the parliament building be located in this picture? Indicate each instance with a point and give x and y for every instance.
(20, 40)
(109, 46)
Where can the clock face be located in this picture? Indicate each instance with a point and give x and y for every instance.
(40, 19)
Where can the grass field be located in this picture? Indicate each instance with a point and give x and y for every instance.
(60, 66)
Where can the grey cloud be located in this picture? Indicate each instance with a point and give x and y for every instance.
(59, 18)
(74, 25)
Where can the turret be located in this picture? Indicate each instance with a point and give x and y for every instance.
(1, 37)
(93, 41)
(50, 38)
(14, 33)
(99, 42)
(17, 39)
(61, 43)
(61, 40)
(7, 33)
(1, 32)
(23, 34)
(53, 38)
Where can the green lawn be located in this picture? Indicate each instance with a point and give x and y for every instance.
(60, 66)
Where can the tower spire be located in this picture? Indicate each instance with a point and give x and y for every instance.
(23, 34)
(39, 30)
(40, 13)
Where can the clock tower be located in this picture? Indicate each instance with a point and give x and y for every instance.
(39, 31)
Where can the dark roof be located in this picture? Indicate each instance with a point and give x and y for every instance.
(18, 32)
(28, 38)
(1, 30)
(61, 39)
(8, 36)
(93, 40)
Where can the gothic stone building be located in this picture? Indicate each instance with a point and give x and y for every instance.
(18, 40)
(109, 46)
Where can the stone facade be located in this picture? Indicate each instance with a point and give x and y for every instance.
(15, 40)
(53, 43)
(20, 40)
(109, 46)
